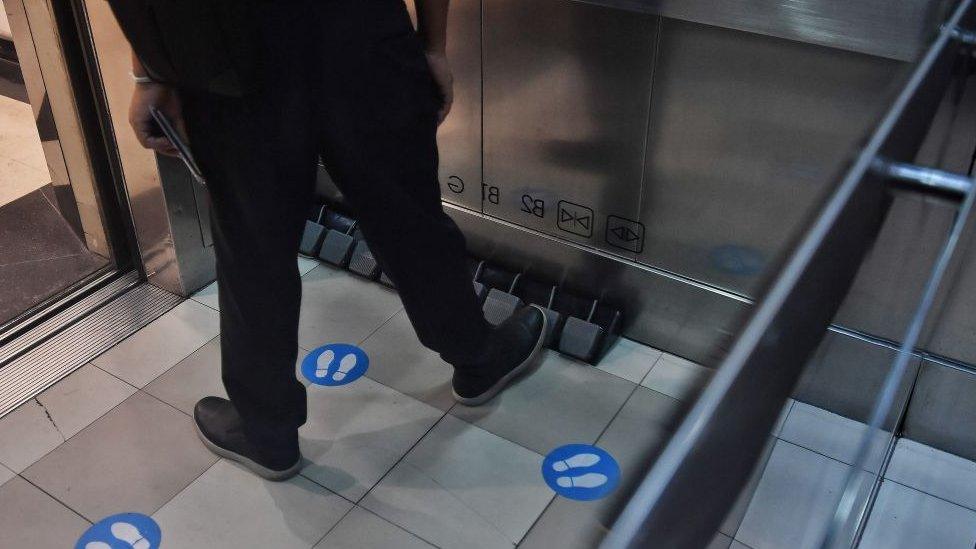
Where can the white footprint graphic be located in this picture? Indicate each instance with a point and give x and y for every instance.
(345, 366)
(130, 534)
(579, 460)
(97, 545)
(323, 363)
(589, 480)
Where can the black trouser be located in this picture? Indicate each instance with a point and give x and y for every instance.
(347, 80)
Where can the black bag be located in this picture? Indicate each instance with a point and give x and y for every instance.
(202, 45)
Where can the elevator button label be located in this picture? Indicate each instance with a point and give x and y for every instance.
(575, 219)
(581, 472)
(123, 531)
(335, 364)
(626, 234)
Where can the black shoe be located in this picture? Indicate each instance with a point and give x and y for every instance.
(513, 347)
(219, 427)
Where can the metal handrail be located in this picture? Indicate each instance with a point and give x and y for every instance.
(710, 458)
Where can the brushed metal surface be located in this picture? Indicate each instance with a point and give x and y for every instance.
(899, 30)
(459, 137)
(746, 133)
(566, 96)
(169, 225)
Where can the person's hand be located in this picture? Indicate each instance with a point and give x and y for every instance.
(164, 98)
(440, 69)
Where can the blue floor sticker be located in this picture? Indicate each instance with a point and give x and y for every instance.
(335, 364)
(581, 472)
(124, 531)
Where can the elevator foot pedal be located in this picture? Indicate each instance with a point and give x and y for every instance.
(362, 261)
(385, 280)
(480, 290)
(555, 320)
(588, 339)
(338, 246)
(313, 233)
(500, 305)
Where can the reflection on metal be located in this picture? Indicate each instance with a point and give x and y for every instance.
(168, 209)
(899, 30)
(52, 97)
(785, 327)
(925, 179)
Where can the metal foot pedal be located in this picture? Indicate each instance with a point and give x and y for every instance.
(337, 247)
(500, 305)
(312, 236)
(588, 339)
(480, 290)
(554, 324)
(385, 280)
(362, 261)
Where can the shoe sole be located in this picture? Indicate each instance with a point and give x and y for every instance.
(507, 378)
(251, 465)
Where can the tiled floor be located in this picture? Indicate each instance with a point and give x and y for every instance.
(392, 461)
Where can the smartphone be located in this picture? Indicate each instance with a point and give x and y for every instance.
(181, 147)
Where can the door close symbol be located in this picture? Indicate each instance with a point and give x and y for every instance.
(575, 219)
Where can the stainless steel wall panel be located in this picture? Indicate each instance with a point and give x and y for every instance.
(746, 131)
(674, 314)
(566, 92)
(899, 30)
(942, 411)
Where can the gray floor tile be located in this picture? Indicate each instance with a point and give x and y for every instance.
(398, 360)
(82, 397)
(784, 413)
(356, 433)
(26, 435)
(340, 308)
(133, 459)
(159, 346)
(823, 432)
(736, 544)
(361, 528)
(43, 423)
(639, 431)
(720, 541)
(197, 376)
(630, 360)
(228, 507)
(5, 475)
(934, 472)
(904, 518)
(677, 377)
(29, 518)
(795, 498)
(462, 486)
(577, 399)
(305, 265)
(208, 295)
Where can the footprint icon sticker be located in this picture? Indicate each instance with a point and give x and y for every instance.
(335, 364)
(124, 531)
(581, 472)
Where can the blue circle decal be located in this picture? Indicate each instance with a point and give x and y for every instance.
(123, 531)
(581, 471)
(737, 260)
(335, 364)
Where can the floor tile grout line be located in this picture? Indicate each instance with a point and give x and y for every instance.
(903, 485)
(55, 498)
(380, 327)
(187, 485)
(334, 526)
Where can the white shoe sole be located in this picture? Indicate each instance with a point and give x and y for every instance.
(251, 465)
(504, 381)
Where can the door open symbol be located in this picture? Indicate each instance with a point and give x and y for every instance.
(625, 234)
(575, 219)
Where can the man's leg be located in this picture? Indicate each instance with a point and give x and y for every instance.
(258, 157)
(378, 132)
